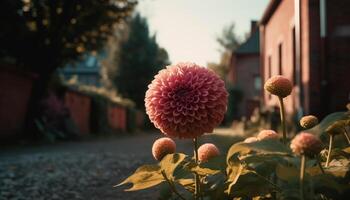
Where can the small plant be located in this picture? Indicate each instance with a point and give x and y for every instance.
(185, 101)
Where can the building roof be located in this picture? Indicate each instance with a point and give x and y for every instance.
(269, 11)
(251, 45)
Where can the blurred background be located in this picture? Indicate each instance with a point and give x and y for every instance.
(73, 75)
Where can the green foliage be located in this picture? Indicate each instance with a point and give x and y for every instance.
(44, 34)
(339, 118)
(266, 169)
(228, 39)
(150, 175)
(138, 60)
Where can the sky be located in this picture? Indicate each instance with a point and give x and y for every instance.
(188, 29)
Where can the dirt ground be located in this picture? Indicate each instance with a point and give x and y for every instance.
(77, 170)
(85, 169)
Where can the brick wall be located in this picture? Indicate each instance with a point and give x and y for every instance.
(325, 64)
(79, 106)
(117, 117)
(246, 68)
(15, 91)
(278, 35)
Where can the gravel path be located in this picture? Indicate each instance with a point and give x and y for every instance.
(77, 170)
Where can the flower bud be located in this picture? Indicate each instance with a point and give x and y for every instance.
(306, 144)
(279, 86)
(207, 151)
(267, 134)
(163, 146)
(308, 121)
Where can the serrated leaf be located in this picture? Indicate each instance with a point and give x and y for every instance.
(170, 162)
(144, 177)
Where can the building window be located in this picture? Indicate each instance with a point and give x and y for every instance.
(280, 59)
(257, 82)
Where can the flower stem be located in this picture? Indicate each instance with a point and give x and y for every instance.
(346, 135)
(283, 119)
(329, 150)
(196, 177)
(320, 165)
(302, 173)
(172, 186)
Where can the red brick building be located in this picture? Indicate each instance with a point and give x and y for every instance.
(245, 72)
(308, 41)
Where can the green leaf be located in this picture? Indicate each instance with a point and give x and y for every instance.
(339, 168)
(187, 183)
(144, 177)
(266, 147)
(326, 181)
(287, 173)
(328, 121)
(211, 167)
(249, 184)
(170, 162)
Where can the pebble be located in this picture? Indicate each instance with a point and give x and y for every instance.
(56, 176)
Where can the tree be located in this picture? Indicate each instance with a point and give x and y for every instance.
(139, 59)
(43, 35)
(228, 41)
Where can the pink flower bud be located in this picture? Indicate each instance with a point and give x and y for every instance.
(307, 144)
(308, 121)
(163, 146)
(207, 151)
(267, 134)
(279, 86)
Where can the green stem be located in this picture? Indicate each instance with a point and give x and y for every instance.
(172, 186)
(320, 165)
(329, 150)
(283, 120)
(196, 177)
(302, 173)
(346, 135)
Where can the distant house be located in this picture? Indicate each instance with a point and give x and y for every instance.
(86, 72)
(308, 41)
(245, 72)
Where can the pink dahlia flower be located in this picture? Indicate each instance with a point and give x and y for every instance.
(306, 143)
(186, 100)
(279, 86)
(267, 134)
(207, 151)
(163, 146)
(251, 139)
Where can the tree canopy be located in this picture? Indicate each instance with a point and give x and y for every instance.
(229, 40)
(138, 60)
(42, 35)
